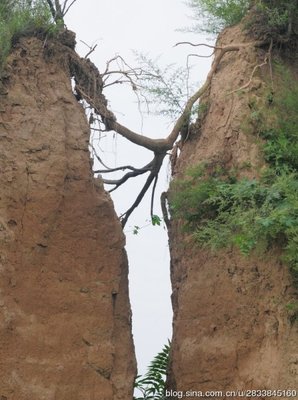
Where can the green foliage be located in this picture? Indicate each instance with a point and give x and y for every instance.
(251, 214)
(277, 17)
(155, 220)
(22, 18)
(258, 214)
(152, 385)
(212, 16)
(165, 89)
(269, 18)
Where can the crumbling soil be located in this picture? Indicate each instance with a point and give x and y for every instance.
(65, 319)
(231, 326)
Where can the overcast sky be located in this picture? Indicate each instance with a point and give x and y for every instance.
(149, 26)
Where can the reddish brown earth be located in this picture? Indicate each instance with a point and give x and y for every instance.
(65, 320)
(231, 326)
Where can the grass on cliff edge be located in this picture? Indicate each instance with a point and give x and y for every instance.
(221, 210)
(22, 18)
(272, 18)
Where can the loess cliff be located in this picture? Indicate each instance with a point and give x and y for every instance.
(231, 325)
(65, 319)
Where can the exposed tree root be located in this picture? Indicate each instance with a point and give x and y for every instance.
(89, 85)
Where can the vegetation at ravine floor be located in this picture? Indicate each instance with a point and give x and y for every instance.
(253, 214)
(152, 385)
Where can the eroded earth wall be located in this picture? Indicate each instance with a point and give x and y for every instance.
(231, 326)
(65, 326)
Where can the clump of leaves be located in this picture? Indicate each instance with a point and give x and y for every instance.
(212, 16)
(152, 385)
(276, 19)
(155, 220)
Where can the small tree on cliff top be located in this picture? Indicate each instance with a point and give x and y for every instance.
(90, 83)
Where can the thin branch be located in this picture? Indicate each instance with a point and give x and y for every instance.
(91, 51)
(199, 55)
(71, 4)
(153, 195)
(110, 170)
(164, 210)
(156, 165)
(124, 217)
(135, 172)
(199, 44)
(125, 178)
(98, 158)
(120, 82)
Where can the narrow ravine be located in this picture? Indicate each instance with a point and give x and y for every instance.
(148, 252)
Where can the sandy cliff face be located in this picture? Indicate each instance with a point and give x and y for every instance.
(231, 327)
(65, 329)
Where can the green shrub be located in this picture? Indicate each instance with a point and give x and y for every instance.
(212, 16)
(278, 17)
(268, 18)
(252, 214)
(152, 385)
(22, 18)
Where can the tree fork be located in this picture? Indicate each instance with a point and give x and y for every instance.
(89, 86)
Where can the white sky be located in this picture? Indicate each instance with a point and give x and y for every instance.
(118, 27)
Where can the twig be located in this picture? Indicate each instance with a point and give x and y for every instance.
(91, 51)
(65, 10)
(199, 44)
(265, 61)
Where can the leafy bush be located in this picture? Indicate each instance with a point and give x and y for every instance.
(221, 210)
(277, 17)
(22, 18)
(152, 385)
(247, 213)
(212, 16)
(268, 18)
